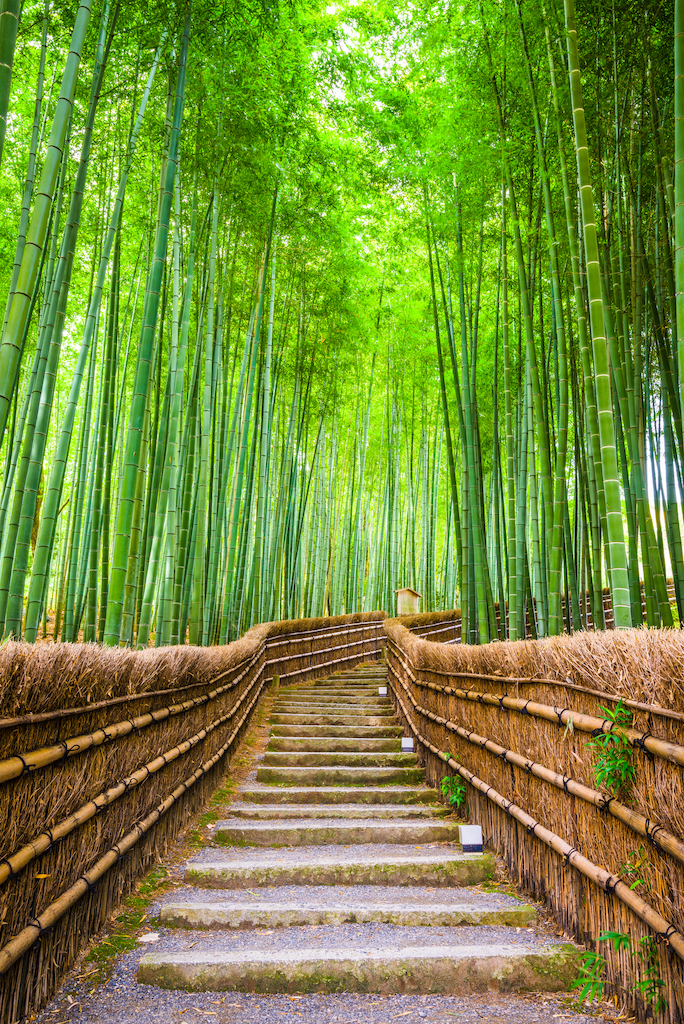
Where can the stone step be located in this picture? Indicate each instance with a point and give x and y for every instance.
(312, 865)
(306, 707)
(369, 731)
(367, 679)
(329, 693)
(322, 743)
(372, 706)
(361, 795)
(411, 961)
(339, 776)
(318, 905)
(329, 832)
(338, 759)
(268, 812)
(332, 719)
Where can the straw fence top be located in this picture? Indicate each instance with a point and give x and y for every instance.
(642, 664)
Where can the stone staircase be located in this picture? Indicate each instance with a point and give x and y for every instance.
(342, 873)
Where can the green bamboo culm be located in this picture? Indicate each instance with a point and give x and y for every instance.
(608, 455)
(679, 184)
(13, 334)
(138, 403)
(10, 13)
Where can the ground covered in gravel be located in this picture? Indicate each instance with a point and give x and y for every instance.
(335, 894)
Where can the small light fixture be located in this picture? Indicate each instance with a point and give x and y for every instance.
(406, 744)
(470, 838)
(382, 691)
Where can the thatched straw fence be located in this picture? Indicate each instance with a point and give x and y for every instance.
(514, 720)
(104, 754)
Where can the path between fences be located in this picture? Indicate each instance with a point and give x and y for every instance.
(107, 755)
(335, 889)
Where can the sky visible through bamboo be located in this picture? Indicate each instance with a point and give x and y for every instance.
(305, 303)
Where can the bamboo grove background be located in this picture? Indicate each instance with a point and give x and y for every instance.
(302, 305)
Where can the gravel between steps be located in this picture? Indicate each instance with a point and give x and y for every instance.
(351, 937)
(325, 895)
(123, 1001)
(308, 854)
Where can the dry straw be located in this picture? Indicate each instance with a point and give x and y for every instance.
(467, 701)
(76, 832)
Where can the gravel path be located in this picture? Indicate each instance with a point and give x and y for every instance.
(312, 854)
(123, 1001)
(332, 894)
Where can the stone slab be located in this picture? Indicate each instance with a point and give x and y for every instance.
(332, 776)
(304, 832)
(340, 794)
(355, 744)
(339, 759)
(278, 913)
(414, 867)
(266, 812)
(425, 969)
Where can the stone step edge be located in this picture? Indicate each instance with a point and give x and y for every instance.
(281, 914)
(422, 969)
(461, 869)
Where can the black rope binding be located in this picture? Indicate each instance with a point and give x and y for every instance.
(568, 855)
(560, 714)
(640, 742)
(13, 875)
(33, 922)
(25, 769)
(610, 885)
(92, 888)
(523, 710)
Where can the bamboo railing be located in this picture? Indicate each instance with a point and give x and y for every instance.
(105, 754)
(515, 721)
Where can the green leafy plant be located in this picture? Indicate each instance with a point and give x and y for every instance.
(453, 787)
(591, 976)
(631, 869)
(651, 984)
(614, 769)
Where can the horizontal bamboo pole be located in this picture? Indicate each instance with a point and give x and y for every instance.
(23, 941)
(672, 752)
(84, 709)
(599, 876)
(639, 823)
(16, 766)
(614, 698)
(13, 864)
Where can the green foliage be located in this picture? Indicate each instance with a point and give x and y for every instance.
(614, 769)
(591, 979)
(632, 867)
(651, 984)
(454, 788)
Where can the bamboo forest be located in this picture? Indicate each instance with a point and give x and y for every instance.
(304, 303)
